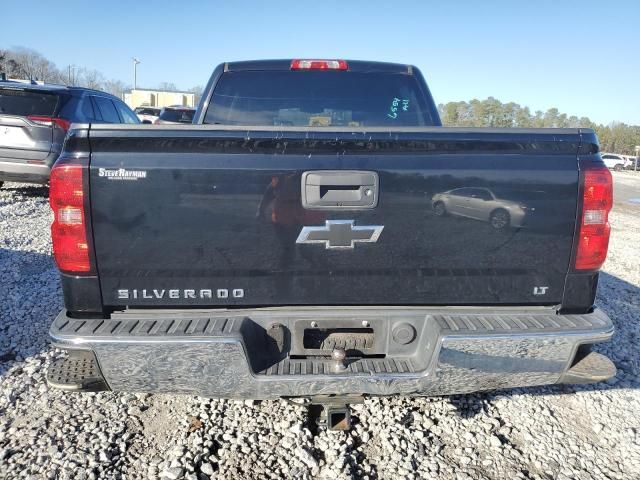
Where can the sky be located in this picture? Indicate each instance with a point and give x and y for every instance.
(581, 57)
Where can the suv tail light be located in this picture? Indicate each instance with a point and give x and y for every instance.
(319, 65)
(62, 123)
(597, 200)
(70, 230)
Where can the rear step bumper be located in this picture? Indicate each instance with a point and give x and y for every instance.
(261, 354)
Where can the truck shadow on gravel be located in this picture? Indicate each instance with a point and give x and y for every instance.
(30, 297)
(18, 190)
(621, 301)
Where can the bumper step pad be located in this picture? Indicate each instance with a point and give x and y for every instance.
(78, 372)
(320, 366)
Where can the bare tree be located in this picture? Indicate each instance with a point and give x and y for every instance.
(115, 87)
(91, 79)
(197, 91)
(32, 65)
(167, 86)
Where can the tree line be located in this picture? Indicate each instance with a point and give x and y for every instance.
(615, 138)
(28, 64)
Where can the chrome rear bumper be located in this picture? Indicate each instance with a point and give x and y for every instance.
(231, 354)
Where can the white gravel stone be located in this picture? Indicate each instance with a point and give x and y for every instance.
(207, 469)
(495, 441)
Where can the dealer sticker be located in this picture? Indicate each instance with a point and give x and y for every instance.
(121, 174)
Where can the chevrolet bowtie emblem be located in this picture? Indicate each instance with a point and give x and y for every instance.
(340, 234)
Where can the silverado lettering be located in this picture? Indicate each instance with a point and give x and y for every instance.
(125, 294)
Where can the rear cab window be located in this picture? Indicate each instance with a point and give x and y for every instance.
(22, 102)
(318, 99)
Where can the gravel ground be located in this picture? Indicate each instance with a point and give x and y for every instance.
(561, 432)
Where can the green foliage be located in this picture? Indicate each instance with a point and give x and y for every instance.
(615, 137)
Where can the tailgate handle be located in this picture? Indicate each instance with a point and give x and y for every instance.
(339, 189)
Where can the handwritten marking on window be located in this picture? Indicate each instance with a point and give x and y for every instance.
(398, 104)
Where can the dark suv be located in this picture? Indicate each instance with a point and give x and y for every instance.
(34, 120)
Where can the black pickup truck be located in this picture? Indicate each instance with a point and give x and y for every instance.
(317, 233)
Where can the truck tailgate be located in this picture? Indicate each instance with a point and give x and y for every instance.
(210, 216)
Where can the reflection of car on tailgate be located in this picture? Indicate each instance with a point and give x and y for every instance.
(480, 204)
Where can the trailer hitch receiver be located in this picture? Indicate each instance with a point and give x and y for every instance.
(332, 412)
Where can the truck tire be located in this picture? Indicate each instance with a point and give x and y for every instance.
(500, 219)
(439, 209)
(618, 167)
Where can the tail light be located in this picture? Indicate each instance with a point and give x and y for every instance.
(319, 65)
(597, 200)
(62, 123)
(70, 228)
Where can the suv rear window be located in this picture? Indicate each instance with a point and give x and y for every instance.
(317, 99)
(147, 111)
(24, 102)
(175, 115)
(107, 110)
